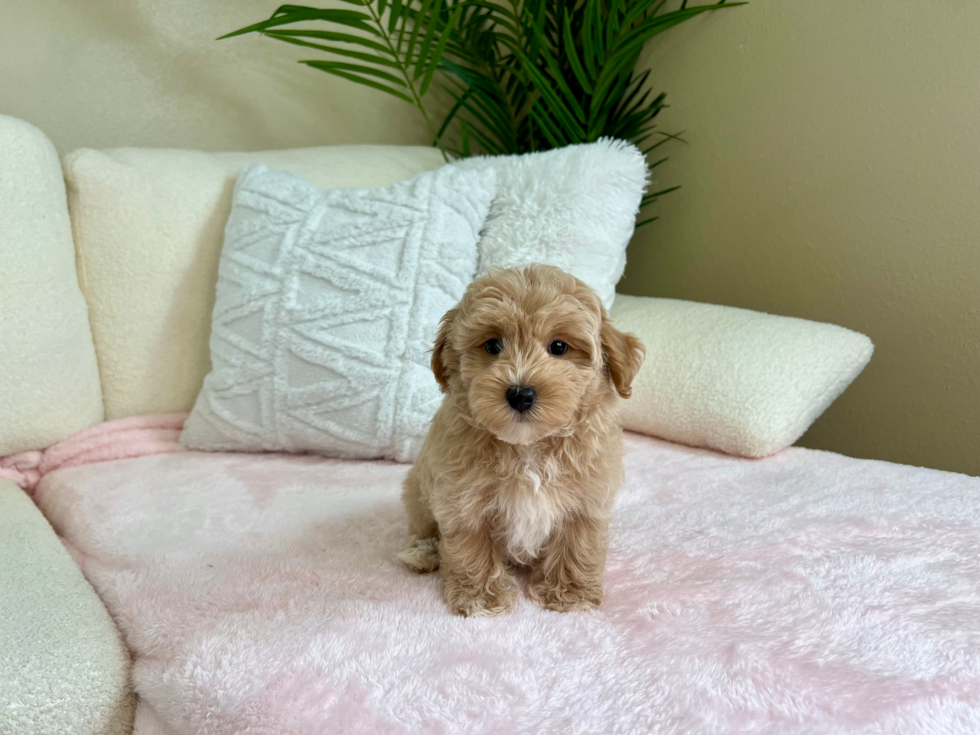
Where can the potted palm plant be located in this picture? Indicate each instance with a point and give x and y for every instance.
(524, 75)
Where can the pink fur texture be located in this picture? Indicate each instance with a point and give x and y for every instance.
(134, 437)
(804, 593)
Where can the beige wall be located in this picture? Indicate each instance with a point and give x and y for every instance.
(833, 173)
(109, 73)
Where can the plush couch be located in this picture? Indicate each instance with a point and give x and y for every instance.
(106, 316)
(88, 334)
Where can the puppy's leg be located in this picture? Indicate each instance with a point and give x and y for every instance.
(569, 574)
(475, 581)
(421, 548)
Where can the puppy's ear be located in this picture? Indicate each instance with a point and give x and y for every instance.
(441, 359)
(623, 354)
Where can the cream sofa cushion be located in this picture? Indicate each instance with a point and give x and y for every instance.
(148, 230)
(49, 380)
(738, 381)
(64, 669)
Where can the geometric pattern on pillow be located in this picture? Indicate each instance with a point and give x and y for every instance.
(327, 304)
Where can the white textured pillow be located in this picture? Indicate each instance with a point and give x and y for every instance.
(148, 227)
(327, 303)
(572, 207)
(738, 381)
(49, 379)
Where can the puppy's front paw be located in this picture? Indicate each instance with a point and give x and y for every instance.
(567, 596)
(421, 554)
(479, 601)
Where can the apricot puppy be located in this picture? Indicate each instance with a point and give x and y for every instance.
(524, 458)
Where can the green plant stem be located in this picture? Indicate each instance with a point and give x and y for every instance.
(436, 141)
(490, 73)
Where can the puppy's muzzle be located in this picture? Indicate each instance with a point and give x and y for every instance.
(521, 397)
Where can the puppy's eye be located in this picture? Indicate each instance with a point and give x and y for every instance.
(558, 347)
(494, 346)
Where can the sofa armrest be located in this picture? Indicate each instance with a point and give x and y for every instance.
(63, 665)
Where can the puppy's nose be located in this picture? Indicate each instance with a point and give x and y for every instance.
(521, 397)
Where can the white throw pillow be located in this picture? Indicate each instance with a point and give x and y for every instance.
(327, 304)
(572, 207)
(738, 381)
(148, 227)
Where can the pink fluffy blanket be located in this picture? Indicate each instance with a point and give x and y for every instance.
(139, 436)
(804, 593)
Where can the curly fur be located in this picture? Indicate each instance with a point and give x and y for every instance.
(493, 488)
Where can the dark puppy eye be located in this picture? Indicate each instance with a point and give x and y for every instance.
(558, 347)
(494, 346)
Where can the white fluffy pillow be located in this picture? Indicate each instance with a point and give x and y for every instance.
(738, 381)
(572, 207)
(327, 303)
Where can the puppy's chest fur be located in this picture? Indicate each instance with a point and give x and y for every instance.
(527, 504)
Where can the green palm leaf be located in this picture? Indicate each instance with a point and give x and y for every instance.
(332, 66)
(331, 36)
(339, 50)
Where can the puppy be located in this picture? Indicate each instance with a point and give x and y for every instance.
(524, 457)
